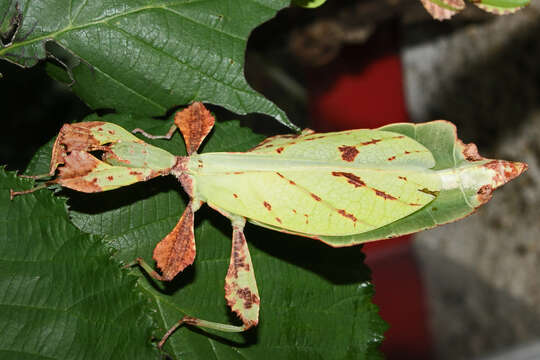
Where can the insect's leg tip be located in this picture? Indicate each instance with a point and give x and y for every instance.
(137, 261)
(12, 194)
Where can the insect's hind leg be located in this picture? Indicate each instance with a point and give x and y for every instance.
(241, 290)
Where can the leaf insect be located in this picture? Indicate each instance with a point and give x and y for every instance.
(342, 188)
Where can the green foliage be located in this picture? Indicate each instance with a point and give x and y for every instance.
(61, 295)
(143, 56)
(309, 3)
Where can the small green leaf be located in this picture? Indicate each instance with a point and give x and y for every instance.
(144, 57)
(501, 7)
(62, 296)
(445, 9)
(309, 3)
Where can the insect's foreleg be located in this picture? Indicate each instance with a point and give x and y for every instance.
(177, 250)
(167, 136)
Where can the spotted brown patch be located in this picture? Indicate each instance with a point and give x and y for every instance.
(402, 178)
(348, 153)
(351, 178)
(76, 137)
(391, 158)
(248, 297)
(279, 150)
(315, 197)
(110, 178)
(267, 205)
(505, 171)
(177, 250)
(235, 196)
(278, 220)
(78, 164)
(484, 194)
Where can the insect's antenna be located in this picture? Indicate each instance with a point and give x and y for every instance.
(195, 122)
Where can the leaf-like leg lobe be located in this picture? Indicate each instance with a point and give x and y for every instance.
(195, 122)
(241, 290)
(177, 250)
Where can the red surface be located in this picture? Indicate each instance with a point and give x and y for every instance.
(363, 89)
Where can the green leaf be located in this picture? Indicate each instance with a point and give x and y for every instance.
(143, 56)
(309, 3)
(62, 297)
(315, 300)
(445, 9)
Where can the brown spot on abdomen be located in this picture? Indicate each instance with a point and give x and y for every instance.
(348, 153)
(384, 195)
(351, 178)
(347, 215)
(371, 142)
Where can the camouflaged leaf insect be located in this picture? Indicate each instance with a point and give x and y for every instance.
(342, 188)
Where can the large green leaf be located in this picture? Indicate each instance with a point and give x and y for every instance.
(315, 300)
(145, 56)
(61, 295)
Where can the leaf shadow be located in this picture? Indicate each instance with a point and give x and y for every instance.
(96, 203)
(340, 266)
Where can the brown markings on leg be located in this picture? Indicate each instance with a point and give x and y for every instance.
(240, 281)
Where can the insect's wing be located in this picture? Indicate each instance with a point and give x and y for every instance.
(323, 184)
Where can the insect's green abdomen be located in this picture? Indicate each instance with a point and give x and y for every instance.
(321, 184)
